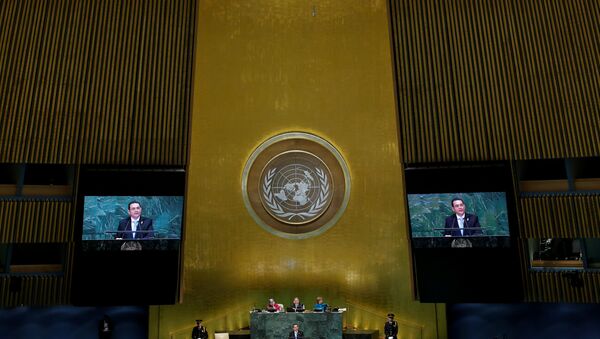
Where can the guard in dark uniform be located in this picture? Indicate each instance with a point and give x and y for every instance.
(391, 327)
(199, 332)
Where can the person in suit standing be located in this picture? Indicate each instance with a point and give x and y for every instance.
(296, 305)
(199, 331)
(391, 327)
(296, 333)
(461, 224)
(135, 226)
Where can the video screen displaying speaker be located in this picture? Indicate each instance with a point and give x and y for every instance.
(109, 222)
(475, 219)
(461, 218)
(459, 206)
(130, 224)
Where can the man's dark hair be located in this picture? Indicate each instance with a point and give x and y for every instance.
(133, 202)
(454, 199)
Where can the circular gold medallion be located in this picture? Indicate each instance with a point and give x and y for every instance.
(296, 185)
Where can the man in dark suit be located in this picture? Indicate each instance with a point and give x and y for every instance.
(296, 333)
(199, 331)
(135, 226)
(460, 223)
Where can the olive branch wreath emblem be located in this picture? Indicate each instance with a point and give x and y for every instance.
(313, 211)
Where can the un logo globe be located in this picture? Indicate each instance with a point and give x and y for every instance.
(296, 185)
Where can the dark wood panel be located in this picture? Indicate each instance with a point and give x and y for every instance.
(572, 215)
(565, 287)
(491, 80)
(38, 290)
(96, 81)
(36, 221)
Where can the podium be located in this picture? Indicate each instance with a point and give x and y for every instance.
(315, 325)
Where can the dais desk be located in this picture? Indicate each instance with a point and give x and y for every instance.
(315, 325)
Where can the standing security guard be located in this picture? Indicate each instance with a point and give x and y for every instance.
(199, 332)
(391, 327)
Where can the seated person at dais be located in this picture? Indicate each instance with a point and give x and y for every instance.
(272, 306)
(296, 306)
(320, 306)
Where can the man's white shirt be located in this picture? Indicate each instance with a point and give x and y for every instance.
(461, 223)
(134, 224)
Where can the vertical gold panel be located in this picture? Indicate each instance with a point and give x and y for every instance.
(36, 290)
(267, 67)
(35, 221)
(556, 287)
(563, 216)
(492, 80)
(95, 81)
(566, 216)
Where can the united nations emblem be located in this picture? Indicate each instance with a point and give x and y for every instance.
(296, 185)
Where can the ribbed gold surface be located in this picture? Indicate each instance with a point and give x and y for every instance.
(40, 289)
(37, 290)
(587, 208)
(95, 81)
(35, 221)
(38, 221)
(561, 216)
(557, 287)
(502, 79)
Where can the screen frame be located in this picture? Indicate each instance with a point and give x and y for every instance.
(461, 178)
(107, 272)
(468, 274)
(117, 181)
(126, 200)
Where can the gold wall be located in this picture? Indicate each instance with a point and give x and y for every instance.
(267, 67)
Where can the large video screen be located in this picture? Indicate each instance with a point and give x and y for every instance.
(458, 206)
(461, 217)
(132, 217)
(473, 214)
(130, 224)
